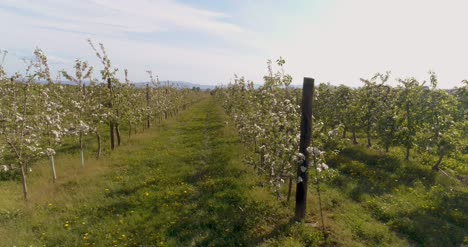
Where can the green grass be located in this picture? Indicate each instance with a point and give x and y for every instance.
(384, 200)
(184, 183)
(180, 184)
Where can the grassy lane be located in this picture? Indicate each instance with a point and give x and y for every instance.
(180, 184)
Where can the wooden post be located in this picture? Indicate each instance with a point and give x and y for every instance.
(305, 139)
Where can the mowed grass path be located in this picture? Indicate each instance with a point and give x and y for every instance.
(181, 184)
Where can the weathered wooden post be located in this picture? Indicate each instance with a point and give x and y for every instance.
(305, 139)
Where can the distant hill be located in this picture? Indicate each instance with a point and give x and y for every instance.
(181, 84)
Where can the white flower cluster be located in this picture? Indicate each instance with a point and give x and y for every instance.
(268, 119)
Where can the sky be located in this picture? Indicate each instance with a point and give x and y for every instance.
(209, 41)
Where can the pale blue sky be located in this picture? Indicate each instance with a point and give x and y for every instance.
(337, 41)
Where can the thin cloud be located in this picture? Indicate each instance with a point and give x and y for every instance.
(106, 16)
(344, 41)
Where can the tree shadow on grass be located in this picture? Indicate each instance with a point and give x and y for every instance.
(442, 224)
(364, 172)
(375, 173)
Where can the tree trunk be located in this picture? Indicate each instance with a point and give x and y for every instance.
(345, 129)
(111, 127)
(290, 188)
(407, 155)
(111, 122)
(129, 130)
(98, 153)
(117, 131)
(439, 161)
(81, 149)
(148, 119)
(436, 166)
(52, 166)
(354, 136)
(368, 132)
(262, 159)
(82, 157)
(408, 137)
(23, 181)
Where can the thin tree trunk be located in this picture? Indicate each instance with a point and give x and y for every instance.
(408, 138)
(368, 132)
(111, 122)
(81, 149)
(82, 157)
(117, 131)
(111, 127)
(407, 152)
(52, 166)
(23, 181)
(354, 136)
(345, 129)
(439, 161)
(436, 166)
(98, 153)
(262, 159)
(148, 121)
(290, 188)
(129, 130)
(436, 136)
